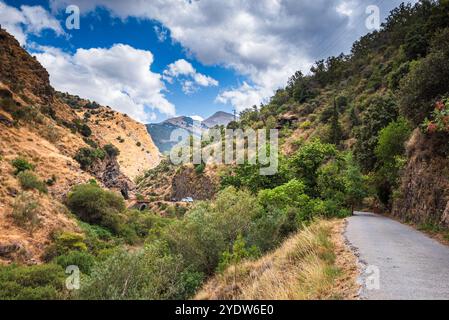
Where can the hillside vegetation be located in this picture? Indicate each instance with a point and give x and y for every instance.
(50, 143)
(365, 129)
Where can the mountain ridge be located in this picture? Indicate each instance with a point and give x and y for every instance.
(161, 132)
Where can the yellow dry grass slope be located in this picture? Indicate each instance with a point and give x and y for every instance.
(138, 152)
(313, 264)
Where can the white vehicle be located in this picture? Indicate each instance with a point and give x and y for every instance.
(188, 199)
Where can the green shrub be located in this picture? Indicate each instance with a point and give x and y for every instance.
(85, 130)
(21, 164)
(83, 260)
(26, 114)
(68, 241)
(111, 150)
(149, 274)
(290, 194)
(29, 181)
(392, 141)
(41, 282)
(136, 226)
(25, 211)
(87, 156)
(208, 229)
(248, 176)
(51, 182)
(94, 205)
(91, 143)
(239, 252)
(199, 168)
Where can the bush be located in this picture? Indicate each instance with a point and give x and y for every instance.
(87, 156)
(29, 181)
(41, 282)
(210, 228)
(85, 130)
(239, 252)
(83, 260)
(25, 212)
(392, 141)
(149, 274)
(68, 241)
(199, 168)
(97, 206)
(290, 194)
(21, 164)
(26, 114)
(111, 150)
(248, 176)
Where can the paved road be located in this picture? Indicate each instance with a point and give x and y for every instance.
(409, 264)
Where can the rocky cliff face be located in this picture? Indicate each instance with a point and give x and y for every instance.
(424, 193)
(17, 65)
(188, 183)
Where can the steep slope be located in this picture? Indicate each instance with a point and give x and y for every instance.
(312, 264)
(137, 150)
(38, 125)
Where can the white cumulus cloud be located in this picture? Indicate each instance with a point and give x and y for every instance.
(188, 76)
(26, 20)
(119, 76)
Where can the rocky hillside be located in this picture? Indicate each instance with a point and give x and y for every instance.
(52, 135)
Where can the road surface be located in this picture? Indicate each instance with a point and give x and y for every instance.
(397, 262)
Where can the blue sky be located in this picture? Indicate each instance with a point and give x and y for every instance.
(154, 60)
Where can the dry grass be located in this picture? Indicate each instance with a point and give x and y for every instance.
(313, 264)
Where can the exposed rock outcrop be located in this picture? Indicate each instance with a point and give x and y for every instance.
(17, 65)
(188, 183)
(424, 192)
(108, 172)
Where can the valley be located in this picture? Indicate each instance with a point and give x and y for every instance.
(83, 185)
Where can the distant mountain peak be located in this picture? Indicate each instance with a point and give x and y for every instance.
(160, 132)
(219, 118)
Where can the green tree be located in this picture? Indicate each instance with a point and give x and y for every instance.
(378, 111)
(355, 183)
(305, 163)
(390, 152)
(237, 255)
(426, 81)
(335, 127)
